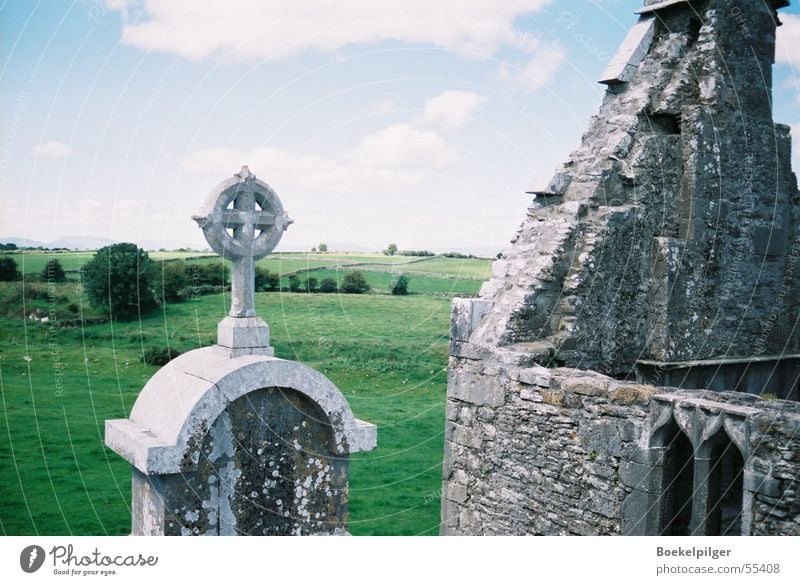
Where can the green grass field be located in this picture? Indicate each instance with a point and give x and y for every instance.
(34, 261)
(387, 354)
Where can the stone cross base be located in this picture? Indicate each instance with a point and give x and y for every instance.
(244, 336)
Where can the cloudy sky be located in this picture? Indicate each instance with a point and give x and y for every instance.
(407, 121)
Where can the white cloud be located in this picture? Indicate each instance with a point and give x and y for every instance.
(539, 69)
(787, 51)
(451, 109)
(258, 30)
(401, 146)
(52, 149)
(390, 103)
(397, 156)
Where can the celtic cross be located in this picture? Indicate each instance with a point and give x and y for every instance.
(242, 220)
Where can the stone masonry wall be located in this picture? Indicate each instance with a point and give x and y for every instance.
(673, 231)
(532, 450)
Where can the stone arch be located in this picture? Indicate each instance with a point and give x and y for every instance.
(719, 469)
(244, 445)
(183, 399)
(673, 478)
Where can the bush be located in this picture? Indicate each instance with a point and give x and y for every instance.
(294, 283)
(202, 289)
(311, 284)
(265, 280)
(401, 286)
(53, 271)
(328, 285)
(159, 356)
(355, 283)
(8, 269)
(118, 279)
(171, 280)
(425, 253)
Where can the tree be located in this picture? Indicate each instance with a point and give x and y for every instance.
(53, 271)
(170, 280)
(314, 250)
(8, 269)
(401, 286)
(328, 285)
(355, 283)
(118, 279)
(311, 284)
(322, 247)
(263, 280)
(294, 283)
(391, 250)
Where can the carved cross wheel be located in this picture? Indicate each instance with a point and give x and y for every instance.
(242, 220)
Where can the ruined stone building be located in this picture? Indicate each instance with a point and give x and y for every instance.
(632, 365)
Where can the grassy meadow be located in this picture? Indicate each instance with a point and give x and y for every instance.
(388, 354)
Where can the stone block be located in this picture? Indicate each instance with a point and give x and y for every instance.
(535, 377)
(476, 389)
(466, 436)
(634, 513)
(465, 317)
(455, 492)
(633, 49)
(635, 475)
(585, 385)
(762, 484)
(243, 333)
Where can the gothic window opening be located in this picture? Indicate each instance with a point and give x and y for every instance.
(725, 480)
(678, 483)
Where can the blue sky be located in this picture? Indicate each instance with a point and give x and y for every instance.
(375, 122)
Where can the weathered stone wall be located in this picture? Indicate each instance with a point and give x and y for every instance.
(673, 231)
(532, 450)
(668, 241)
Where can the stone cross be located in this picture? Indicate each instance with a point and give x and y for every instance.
(243, 220)
(229, 439)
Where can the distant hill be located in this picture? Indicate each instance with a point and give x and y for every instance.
(22, 242)
(80, 243)
(70, 242)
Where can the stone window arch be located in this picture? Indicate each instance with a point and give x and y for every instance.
(698, 454)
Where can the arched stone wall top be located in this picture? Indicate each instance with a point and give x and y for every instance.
(700, 419)
(184, 398)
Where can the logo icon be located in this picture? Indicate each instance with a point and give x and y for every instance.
(31, 558)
